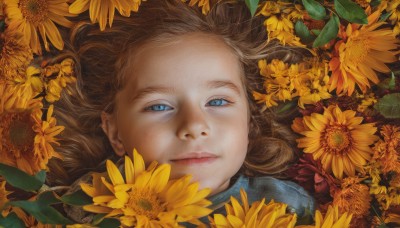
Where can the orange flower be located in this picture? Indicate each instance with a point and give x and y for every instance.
(26, 139)
(362, 51)
(353, 196)
(386, 151)
(337, 138)
(15, 55)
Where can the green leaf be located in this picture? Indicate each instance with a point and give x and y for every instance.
(350, 11)
(98, 218)
(303, 32)
(389, 105)
(388, 83)
(20, 179)
(314, 9)
(252, 5)
(11, 221)
(328, 33)
(41, 209)
(286, 107)
(385, 16)
(315, 31)
(78, 198)
(109, 223)
(375, 3)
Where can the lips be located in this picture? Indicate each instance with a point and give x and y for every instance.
(195, 158)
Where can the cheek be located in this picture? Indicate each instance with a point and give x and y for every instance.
(149, 140)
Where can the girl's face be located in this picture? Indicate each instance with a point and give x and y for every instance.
(184, 104)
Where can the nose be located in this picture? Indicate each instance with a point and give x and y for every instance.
(192, 123)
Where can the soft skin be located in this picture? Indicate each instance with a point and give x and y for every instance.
(184, 104)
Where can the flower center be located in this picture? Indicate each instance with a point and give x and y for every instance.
(18, 128)
(337, 139)
(357, 49)
(35, 11)
(146, 203)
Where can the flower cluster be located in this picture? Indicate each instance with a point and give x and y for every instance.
(346, 91)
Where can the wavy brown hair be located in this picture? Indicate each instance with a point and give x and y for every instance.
(101, 61)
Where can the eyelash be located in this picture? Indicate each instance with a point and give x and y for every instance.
(157, 107)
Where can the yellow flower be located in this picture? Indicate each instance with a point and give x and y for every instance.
(27, 139)
(312, 82)
(147, 198)
(15, 55)
(65, 75)
(3, 197)
(338, 139)
(394, 8)
(368, 101)
(353, 196)
(258, 214)
(362, 52)
(100, 10)
(281, 28)
(31, 16)
(277, 82)
(332, 219)
(204, 4)
(15, 97)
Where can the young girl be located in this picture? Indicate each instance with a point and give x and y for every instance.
(177, 86)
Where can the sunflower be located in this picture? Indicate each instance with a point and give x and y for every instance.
(30, 16)
(100, 10)
(15, 55)
(27, 140)
(362, 51)
(258, 214)
(333, 218)
(337, 138)
(147, 198)
(353, 196)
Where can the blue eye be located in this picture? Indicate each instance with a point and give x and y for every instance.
(218, 102)
(158, 108)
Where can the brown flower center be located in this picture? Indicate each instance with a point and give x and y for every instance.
(146, 203)
(337, 138)
(18, 133)
(35, 11)
(357, 49)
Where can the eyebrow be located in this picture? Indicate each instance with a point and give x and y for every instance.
(168, 90)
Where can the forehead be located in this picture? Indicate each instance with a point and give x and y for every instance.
(193, 58)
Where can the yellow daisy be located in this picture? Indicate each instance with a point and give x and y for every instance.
(337, 138)
(258, 214)
(29, 17)
(15, 55)
(146, 197)
(27, 140)
(100, 10)
(332, 219)
(362, 51)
